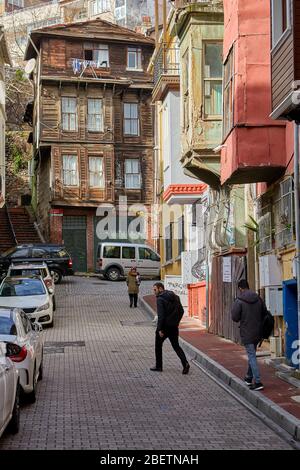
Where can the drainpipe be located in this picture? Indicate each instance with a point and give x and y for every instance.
(297, 218)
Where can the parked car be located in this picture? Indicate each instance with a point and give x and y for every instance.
(34, 269)
(56, 256)
(16, 328)
(31, 295)
(114, 260)
(9, 390)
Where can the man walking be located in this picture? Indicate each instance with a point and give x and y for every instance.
(169, 313)
(249, 309)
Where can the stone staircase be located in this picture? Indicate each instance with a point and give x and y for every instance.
(16, 227)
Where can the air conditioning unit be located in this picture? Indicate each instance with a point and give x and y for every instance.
(269, 271)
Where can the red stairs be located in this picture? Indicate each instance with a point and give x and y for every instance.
(23, 226)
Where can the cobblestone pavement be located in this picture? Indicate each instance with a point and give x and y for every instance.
(98, 392)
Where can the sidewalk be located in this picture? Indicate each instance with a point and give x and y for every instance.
(280, 401)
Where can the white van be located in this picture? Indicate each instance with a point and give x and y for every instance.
(114, 260)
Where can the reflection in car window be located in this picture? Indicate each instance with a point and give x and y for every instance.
(60, 253)
(26, 323)
(22, 287)
(111, 252)
(23, 253)
(7, 326)
(128, 252)
(25, 272)
(39, 253)
(147, 254)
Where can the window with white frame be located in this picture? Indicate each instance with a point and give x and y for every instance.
(96, 173)
(100, 6)
(132, 173)
(281, 19)
(69, 113)
(70, 170)
(95, 115)
(213, 79)
(97, 53)
(228, 84)
(131, 119)
(134, 58)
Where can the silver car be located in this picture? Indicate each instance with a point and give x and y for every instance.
(16, 328)
(114, 260)
(9, 390)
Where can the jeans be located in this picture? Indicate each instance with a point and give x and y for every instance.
(173, 335)
(133, 299)
(253, 370)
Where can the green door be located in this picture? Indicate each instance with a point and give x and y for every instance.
(74, 236)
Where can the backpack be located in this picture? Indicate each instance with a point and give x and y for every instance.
(267, 325)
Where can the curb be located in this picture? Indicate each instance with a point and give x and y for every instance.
(274, 412)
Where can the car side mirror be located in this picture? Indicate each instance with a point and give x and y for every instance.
(37, 327)
(50, 290)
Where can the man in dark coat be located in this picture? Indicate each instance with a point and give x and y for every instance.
(169, 313)
(249, 309)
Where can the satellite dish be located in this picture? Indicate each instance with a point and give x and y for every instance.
(30, 66)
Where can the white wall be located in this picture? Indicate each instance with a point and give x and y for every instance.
(2, 129)
(171, 147)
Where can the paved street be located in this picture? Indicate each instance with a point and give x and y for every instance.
(98, 392)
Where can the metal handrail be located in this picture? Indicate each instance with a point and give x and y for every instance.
(11, 225)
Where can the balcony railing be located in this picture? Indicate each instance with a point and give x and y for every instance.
(185, 3)
(166, 62)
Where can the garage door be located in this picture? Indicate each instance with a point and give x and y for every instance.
(74, 236)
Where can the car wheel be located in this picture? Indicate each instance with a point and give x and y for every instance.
(50, 325)
(57, 276)
(14, 424)
(113, 274)
(31, 397)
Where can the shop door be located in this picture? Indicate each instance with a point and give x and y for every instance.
(74, 236)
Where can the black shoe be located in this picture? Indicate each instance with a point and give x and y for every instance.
(186, 369)
(256, 387)
(156, 369)
(248, 381)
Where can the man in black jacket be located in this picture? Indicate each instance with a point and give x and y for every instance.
(169, 313)
(249, 309)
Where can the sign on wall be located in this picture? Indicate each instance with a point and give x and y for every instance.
(175, 284)
(227, 269)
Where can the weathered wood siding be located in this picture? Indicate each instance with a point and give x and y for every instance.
(222, 296)
(44, 196)
(282, 71)
(82, 192)
(58, 55)
(297, 38)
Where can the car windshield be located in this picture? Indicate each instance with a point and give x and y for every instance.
(25, 272)
(7, 326)
(22, 288)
